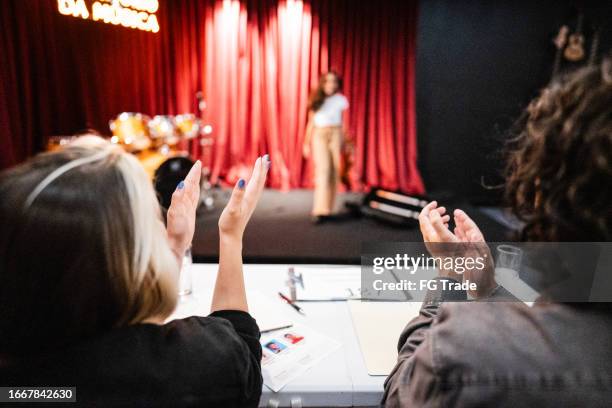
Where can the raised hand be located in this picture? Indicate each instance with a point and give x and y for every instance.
(182, 211)
(466, 229)
(229, 293)
(466, 241)
(468, 232)
(433, 222)
(237, 213)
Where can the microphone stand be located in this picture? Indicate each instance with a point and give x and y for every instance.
(207, 196)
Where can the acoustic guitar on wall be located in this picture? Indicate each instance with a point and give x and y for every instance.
(575, 45)
(560, 41)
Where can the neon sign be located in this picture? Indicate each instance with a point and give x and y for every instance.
(138, 14)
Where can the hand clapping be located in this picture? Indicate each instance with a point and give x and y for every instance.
(467, 240)
(237, 213)
(182, 211)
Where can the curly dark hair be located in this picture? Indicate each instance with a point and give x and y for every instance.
(559, 173)
(317, 96)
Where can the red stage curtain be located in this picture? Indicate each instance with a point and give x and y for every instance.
(256, 62)
(61, 75)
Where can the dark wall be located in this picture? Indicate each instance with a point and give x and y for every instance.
(478, 65)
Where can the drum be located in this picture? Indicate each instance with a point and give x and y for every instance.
(168, 175)
(188, 124)
(151, 159)
(130, 129)
(163, 129)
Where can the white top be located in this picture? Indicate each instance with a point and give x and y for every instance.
(330, 113)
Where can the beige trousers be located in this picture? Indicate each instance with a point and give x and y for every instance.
(326, 151)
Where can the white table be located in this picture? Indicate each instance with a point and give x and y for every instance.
(341, 379)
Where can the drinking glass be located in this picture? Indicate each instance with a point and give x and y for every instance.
(185, 277)
(509, 259)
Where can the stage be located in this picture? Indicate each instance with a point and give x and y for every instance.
(280, 231)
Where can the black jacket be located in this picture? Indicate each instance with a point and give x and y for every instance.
(210, 361)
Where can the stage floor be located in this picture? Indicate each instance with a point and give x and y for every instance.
(280, 231)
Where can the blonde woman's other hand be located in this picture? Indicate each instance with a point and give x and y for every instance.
(182, 211)
(243, 201)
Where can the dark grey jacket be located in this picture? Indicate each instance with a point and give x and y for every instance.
(504, 355)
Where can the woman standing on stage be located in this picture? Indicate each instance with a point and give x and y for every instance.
(325, 136)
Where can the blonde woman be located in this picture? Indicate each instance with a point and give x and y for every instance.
(325, 139)
(88, 275)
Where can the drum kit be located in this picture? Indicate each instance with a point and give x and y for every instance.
(137, 132)
(160, 143)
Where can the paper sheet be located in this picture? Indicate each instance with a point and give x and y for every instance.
(270, 312)
(340, 283)
(328, 283)
(378, 326)
(288, 353)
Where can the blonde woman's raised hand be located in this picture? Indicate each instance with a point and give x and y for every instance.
(182, 211)
(245, 196)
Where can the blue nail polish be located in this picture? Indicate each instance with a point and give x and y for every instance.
(266, 158)
(241, 183)
(181, 185)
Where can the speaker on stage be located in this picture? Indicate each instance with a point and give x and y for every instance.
(391, 207)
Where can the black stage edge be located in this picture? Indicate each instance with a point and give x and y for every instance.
(281, 232)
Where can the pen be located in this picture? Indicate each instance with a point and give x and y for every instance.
(290, 303)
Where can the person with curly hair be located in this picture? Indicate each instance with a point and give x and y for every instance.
(506, 353)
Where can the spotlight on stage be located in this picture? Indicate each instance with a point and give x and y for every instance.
(391, 207)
